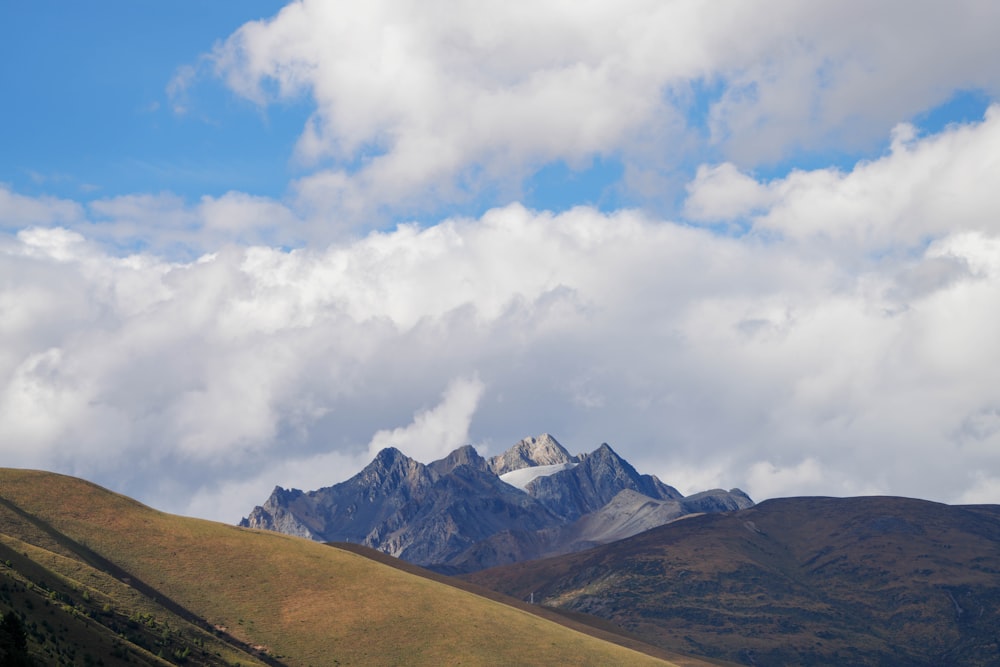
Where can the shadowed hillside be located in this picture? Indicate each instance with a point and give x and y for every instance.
(96, 576)
(860, 581)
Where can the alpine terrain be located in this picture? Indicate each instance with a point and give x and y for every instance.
(464, 513)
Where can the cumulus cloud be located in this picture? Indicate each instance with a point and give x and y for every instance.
(163, 223)
(723, 193)
(18, 211)
(918, 192)
(415, 106)
(825, 330)
(435, 432)
(781, 360)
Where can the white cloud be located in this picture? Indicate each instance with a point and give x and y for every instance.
(241, 218)
(435, 432)
(37, 405)
(850, 353)
(54, 243)
(163, 223)
(18, 211)
(985, 489)
(920, 191)
(415, 106)
(771, 481)
(722, 192)
(231, 499)
(689, 476)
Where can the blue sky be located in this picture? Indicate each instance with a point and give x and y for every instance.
(748, 244)
(89, 115)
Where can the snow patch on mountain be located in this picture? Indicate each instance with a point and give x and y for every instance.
(523, 476)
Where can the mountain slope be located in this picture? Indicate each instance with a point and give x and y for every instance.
(628, 513)
(298, 602)
(795, 581)
(591, 485)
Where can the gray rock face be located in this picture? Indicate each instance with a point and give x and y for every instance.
(466, 455)
(276, 515)
(466, 506)
(591, 485)
(457, 515)
(377, 500)
(541, 451)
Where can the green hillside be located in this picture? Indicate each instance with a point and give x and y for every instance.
(97, 578)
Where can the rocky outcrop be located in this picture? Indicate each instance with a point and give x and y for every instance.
(716, 500)
(466, 455)
(541, 451)
(457, 515)
(275, 515)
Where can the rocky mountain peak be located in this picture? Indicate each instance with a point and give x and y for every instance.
(466, 455)
(388, 461)
(605, 463)
(280, 495)
(603, 452)
(392, 473)
(543, 450)
(389, 456)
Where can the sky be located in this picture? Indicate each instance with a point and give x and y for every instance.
(749, 244)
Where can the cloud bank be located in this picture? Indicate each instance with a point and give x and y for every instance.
(415, 106)
(844, 343)
(793, 325)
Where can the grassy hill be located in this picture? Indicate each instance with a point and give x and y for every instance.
(97, 578)
(859, 581)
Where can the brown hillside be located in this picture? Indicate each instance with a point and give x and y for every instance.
(795, 581)
(297, 601)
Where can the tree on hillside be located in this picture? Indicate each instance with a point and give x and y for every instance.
(13, 642)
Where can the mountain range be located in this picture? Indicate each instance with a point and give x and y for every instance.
(465, 513)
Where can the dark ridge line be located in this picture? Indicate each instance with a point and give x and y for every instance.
(98, 562)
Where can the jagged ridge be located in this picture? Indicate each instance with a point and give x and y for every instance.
(457, 515)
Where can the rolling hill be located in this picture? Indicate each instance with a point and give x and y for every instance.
(95, 578)
(853, 581)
